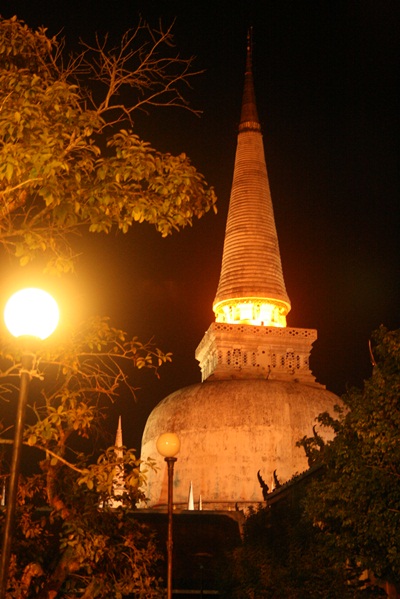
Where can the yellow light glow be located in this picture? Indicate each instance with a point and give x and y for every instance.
(32, 312)
(245, 312)
(256, 312)
(168, 445)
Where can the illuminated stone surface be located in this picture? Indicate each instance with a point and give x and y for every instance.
(243, 351)
(228, 431)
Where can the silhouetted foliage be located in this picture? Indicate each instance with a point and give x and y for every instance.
(285, 555)
(340, 535)
(357, 501)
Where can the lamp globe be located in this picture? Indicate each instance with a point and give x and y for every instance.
(31, 312)
(168, 445)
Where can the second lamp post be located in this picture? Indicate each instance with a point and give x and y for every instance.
(168, 445)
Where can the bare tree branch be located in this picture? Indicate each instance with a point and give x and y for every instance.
(138, 67)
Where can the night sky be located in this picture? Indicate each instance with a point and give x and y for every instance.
(326, 79)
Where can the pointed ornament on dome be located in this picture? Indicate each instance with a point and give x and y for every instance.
(251, 288)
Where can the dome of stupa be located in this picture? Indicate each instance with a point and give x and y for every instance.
(229, 430)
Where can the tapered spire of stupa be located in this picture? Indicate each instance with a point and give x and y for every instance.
(251, 288)
(249, 338)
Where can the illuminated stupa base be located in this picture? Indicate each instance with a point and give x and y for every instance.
(239, 351)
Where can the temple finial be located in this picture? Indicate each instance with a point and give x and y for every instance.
(249, 61)
(249, 116)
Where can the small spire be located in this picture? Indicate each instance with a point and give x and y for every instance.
(119, 477)
(190, 499)
(118, 438)
(3, 496)
(118, 483)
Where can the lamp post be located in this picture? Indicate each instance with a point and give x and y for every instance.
(168, 445)
(29, 313)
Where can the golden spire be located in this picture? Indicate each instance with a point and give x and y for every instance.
(251, 288)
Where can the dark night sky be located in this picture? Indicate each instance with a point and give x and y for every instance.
(326, 77)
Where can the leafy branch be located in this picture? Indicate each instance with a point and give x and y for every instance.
(67, 164)
(73, 382)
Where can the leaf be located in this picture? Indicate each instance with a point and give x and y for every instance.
(24, 260)
(9, 171)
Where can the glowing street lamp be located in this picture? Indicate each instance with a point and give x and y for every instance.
(29, 313)
(168, 445)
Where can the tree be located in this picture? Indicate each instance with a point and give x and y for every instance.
(284, 555)
(357, 501)
(339, 535)
(69, 159)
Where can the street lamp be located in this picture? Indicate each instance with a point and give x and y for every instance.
(29, 313)
(168, 445)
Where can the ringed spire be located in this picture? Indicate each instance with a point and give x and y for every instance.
(251, 287)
